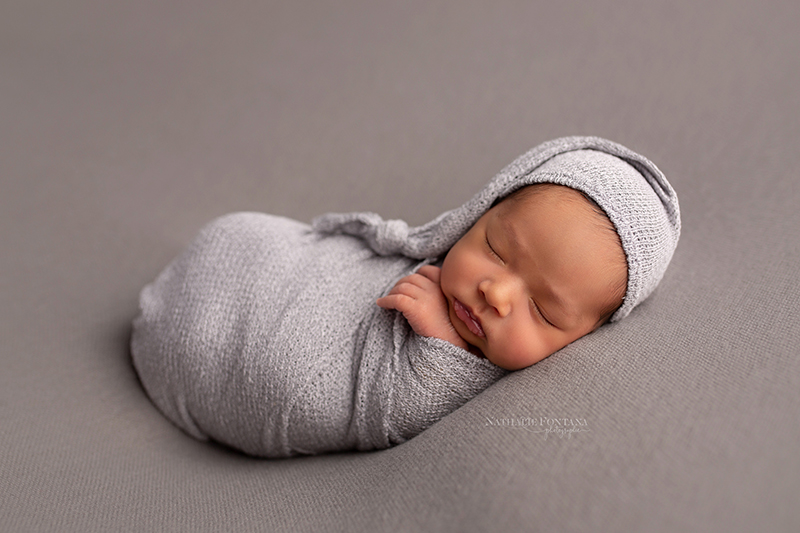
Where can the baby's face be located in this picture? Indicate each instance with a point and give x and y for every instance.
(531, 276)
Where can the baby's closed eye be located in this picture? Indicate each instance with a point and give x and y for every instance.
(492, 250)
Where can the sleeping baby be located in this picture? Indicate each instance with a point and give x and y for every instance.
(357, 333)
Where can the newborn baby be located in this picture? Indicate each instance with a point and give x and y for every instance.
(264, 334)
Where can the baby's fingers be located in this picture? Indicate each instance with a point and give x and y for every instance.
(393, 301)
(411, 283)
(409, 287)
(408, 304)
(414, 310)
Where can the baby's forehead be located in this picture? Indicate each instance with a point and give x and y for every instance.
(564, 203)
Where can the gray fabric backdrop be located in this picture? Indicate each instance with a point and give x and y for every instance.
(125, 126)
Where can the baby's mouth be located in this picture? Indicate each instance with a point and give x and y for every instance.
(470, 320)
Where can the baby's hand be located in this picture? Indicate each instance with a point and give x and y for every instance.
(419, 297)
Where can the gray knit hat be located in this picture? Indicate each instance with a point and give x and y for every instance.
(632, 191)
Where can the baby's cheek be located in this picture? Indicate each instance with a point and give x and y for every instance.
(524, 350)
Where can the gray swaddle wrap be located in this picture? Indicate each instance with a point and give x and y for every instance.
(264, 333)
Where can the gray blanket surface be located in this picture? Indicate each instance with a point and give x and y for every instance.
(264, 334)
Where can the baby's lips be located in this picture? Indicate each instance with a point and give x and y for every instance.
(466, 316)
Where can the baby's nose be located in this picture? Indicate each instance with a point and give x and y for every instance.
(498, 294)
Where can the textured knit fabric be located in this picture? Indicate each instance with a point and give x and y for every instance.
(264, 334)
